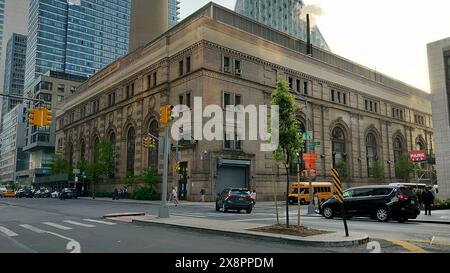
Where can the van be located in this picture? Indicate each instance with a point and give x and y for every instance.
(324, 191)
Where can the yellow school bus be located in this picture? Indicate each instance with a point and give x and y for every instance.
(324, 190)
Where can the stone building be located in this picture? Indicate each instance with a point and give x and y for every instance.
(358, 115)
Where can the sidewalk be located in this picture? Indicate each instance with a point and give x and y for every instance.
(436, 217)
(242, 229)
(144, 202)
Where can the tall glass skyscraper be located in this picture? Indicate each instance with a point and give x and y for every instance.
(78, 37)
(2, 22)
(14, 70)
(282, 15)
(174, 14)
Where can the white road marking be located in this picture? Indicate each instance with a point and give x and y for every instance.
(99, 222)
(58, 226)
(8, 232)
(444, 217)
(78, 224)
(189, 215)
(35, 229)
(71, 245)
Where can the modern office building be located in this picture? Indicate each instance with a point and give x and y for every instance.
(13, 19)
(439, 69)
(12, 157)
(53, 88)
(14, 71)
(283, 15)
(75, 37)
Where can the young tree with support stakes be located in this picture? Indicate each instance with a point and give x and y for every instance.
(290, 140)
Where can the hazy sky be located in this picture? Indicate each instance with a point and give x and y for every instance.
(389, 35)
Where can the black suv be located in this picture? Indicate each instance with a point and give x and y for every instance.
(378, 202)
(234, 199)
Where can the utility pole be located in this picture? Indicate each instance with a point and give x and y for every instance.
(164, 209)
(311, 210)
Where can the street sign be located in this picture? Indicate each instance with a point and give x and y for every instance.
(418, 156)
(316, 143)
(339, 196)
(76, 171)
(307, 135)
(310, 157)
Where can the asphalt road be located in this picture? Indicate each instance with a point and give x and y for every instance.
(49, 225)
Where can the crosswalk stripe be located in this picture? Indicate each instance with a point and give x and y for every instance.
(58, 226)
(35, 229)
(78, 224)
(99, 222)
(8, 232)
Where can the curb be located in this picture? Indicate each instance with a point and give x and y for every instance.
(262, 236)
(121, 214)
(429, 221)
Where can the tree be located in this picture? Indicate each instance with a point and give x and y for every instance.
(103, 164)
(404, 168)
(150, 178)
(290, 141)
(58, 165)
(378, 170)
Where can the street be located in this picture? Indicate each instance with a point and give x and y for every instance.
(56, 226)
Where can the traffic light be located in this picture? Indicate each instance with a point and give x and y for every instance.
(149, 142)
(47, 117)
(176, 167)
(35, 117)
(166, 114)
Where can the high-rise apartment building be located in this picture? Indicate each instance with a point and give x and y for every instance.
(283, 15)
(13, 19)
(149, 19)
(174, 14)
(14, 70)
(439, 67)
(12, 141)
(75, 37)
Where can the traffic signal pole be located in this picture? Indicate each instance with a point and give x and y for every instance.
(164, 209)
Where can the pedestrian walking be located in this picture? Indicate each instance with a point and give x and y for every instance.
(428, 200)
(175, 196)
(125, 190)
(202, 193)
(116, 194)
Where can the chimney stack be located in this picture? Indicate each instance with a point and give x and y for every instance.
(149, 19)
(308, 35)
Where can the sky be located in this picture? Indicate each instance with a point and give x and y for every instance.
(390, 36)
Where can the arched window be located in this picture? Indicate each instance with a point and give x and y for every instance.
(372, 154)
(131, 148)
(338, 146)
(153, 153)
(420, 145)
(398, 149)
(297, 163)
(70, 155)
(95, 149)
(82, 150)
(112, 140)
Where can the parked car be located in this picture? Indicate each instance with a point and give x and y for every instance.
(24, 193)
(54, 194)
(234, 199)
(68, 194)
(378, 202)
